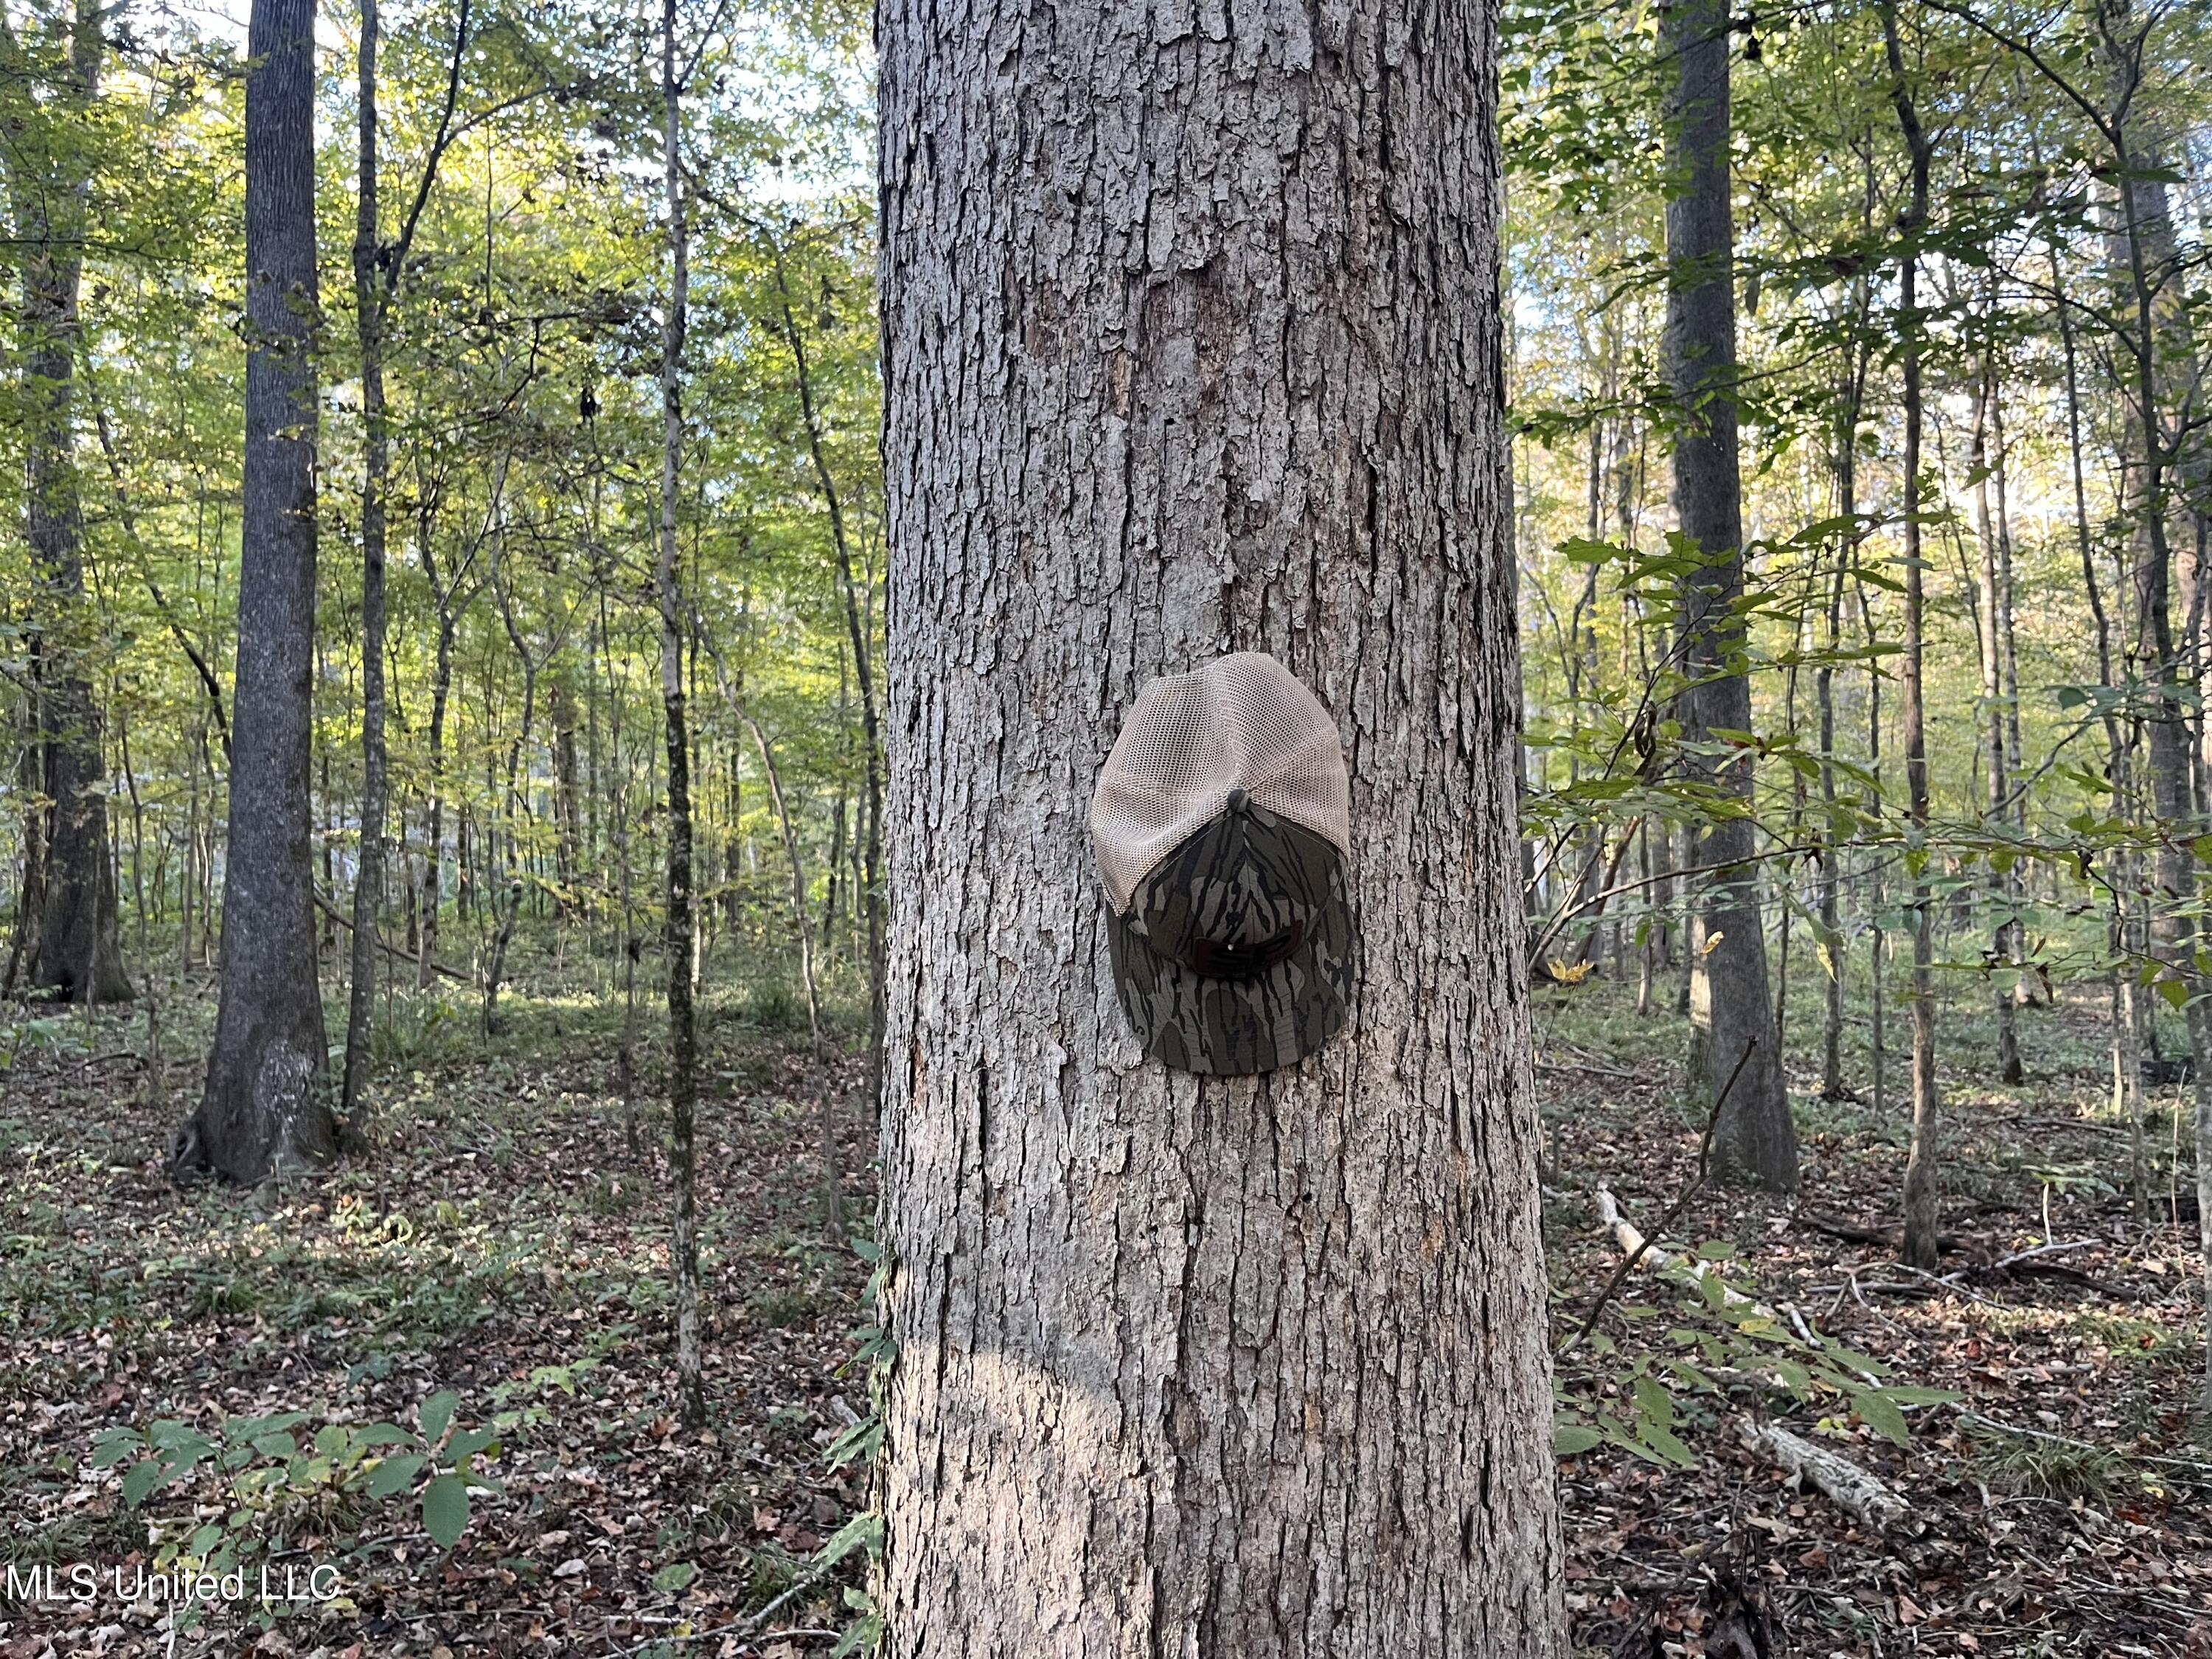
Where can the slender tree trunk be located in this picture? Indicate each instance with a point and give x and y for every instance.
(802, 919)
(2143, 249)
(1202, 1366)
(858, 634)
(2120, 942)
(1919, 1248)
(507, 914)
(434, 839)
(566, 814)
(376, 451)
(265, 1108)
(683, 1029)
(1731, 1004)
(1996, 776)
(78, 956)
(1837, 957)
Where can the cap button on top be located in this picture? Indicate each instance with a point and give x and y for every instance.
(1238, 800)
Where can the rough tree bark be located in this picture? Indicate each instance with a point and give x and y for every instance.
(78, 955)
(265, 1108)
(1192, 343)
(1731, 1007)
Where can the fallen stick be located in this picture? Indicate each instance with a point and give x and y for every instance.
(1636, 1251)
(1577, 1065)
(1850, 1488)
(1639, 1250)
(2014, 1259)
(346, 922)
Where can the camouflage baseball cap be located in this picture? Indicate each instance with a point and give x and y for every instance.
(1221, 823)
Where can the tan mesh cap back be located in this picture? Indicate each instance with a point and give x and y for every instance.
(1242, 721)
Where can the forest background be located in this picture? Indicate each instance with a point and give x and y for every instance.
(1969, 296)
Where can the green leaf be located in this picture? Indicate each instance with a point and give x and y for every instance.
(113, 1446)
(858, 1444)
(1568, 1439)
(1653, 1405)
(446, 1509)
(467, 1443)
(2176, 992)
(395, 1475)
(1879, 1413)
(1662, 1441)
(437, 1413)
(385, 1434)
(674, 1576)
(274, 1445)
(139, 1479)
(1857, 1361)
(862, 1636)
(865, 1529)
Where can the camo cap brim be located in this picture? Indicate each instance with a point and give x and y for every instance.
(1242, 881)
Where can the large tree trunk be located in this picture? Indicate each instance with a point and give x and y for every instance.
(265, 1108)
(1192, 343)
(78, 956)
(1731, 1008)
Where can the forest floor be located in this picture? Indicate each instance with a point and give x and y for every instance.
(503, 1245)
(2060, 1503)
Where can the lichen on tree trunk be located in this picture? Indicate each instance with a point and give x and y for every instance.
(1192, 331)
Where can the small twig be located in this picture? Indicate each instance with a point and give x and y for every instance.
(2048, 1250)
(1576, 1065)
(806, 1581)
(346, 922)
(1704, 1159)
(86, 1063)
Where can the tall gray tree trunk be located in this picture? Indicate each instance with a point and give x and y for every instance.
(1731, 1007)
(676, 937)
(1845, 465)
(1996, 604)
(857, 633)
(1921, 1158)
(2160, 373)
(376, 459)
(1192, 343)
(265, 1107)
(78, 956)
